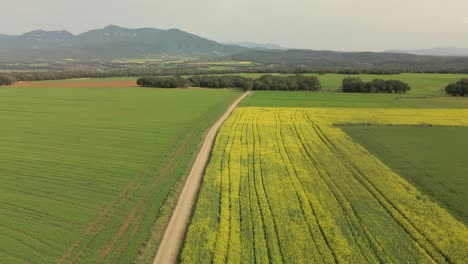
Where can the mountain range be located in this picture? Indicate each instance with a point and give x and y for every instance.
(439, 51)
(255, 45)
(114, 42)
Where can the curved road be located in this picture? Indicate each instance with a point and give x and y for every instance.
(174, 235)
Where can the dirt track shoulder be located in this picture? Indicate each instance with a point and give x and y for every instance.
(174, 235)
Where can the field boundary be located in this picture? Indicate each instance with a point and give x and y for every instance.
(174, 235)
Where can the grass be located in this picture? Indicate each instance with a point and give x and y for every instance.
(85, 80)
(422, 84)
(85, 171)
(284, 185)
(432, 158)
(351, 100)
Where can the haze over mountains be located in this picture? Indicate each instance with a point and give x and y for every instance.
(115, 42)
(439, 51)
(255, 45)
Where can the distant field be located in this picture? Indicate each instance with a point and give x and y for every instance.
(421, 84)
(432, 158)
(284, 185)
(351, 100)
(113, 79)
(85, 171)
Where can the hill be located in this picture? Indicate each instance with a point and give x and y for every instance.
(111, 42)
(355, 60)
(439, 51)
(255, 45)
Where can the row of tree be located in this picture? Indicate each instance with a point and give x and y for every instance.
(266, 82)
(6, 79)
(162, 82)
(155, 71)
(289, 83)
(357, 85)
(220, 81)
(459, 88)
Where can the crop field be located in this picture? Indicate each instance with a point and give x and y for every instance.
(351, 100)
(286, 185)
(432, 158)
(422, 84)
(85, 171)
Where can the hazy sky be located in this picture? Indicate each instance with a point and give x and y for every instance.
(373, 25)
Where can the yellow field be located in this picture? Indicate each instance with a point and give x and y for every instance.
(284, 185)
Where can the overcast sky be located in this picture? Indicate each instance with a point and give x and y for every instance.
(373, 25)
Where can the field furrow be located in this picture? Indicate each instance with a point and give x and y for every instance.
(297, 190)
(85, 173)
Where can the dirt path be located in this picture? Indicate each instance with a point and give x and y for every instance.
(174, 235)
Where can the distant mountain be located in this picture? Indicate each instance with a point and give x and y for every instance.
(440, 51)
(254, 45)
(113, 42)
(356, 60)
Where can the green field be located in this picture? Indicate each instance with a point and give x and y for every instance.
(432, 158)
(351, 100)
(427, 92)
(421, 84)
(85, 171)
(85, 80)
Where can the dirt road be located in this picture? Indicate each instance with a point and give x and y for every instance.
(175, 232)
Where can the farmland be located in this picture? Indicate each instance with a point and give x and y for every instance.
(432, 158)
(285, 185)
(421, 84)
(92, 171)
(85, 171)
(350, 100)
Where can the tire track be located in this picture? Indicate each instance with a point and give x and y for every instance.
(169, 168)
(107, 215)
(226, 196)
(355, 222)
(264, 192)
(433, 251)
(247, 163)
(297, 189)
(255, 189)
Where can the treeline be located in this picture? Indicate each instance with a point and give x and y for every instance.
(162, 82)
(459, 88)
(289, 83)
(75, 74)
(266, 82)
(355, 60)
(357, 85)
(6, 80)
(155, 71)
(220, 81)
